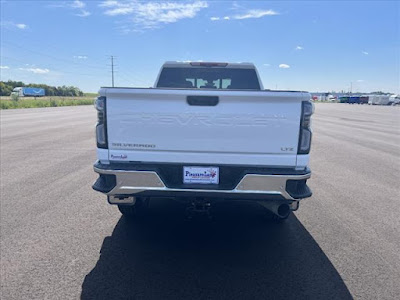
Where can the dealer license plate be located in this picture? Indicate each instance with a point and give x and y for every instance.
(201, 175)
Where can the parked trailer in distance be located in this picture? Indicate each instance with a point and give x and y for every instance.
(378, 99)
(28, 92)
(354, 99)
(394, 100)
(358, 99)
(364, 99)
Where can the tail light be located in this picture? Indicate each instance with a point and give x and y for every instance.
(307, 109)
(101, 126)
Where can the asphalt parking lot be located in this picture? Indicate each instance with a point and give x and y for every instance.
(61, 240)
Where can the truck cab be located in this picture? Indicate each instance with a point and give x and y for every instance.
(17, 91)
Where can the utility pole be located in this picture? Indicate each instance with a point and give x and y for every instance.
(112, 57)
(112, 70)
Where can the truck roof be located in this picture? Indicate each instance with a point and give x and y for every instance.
(189, 64)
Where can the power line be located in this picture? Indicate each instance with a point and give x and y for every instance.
(52, 69)
(76, 64)
(43, 45)
(132, 79)
(58, 59)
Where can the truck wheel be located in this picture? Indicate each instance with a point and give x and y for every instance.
(132, 211)
(127, 211)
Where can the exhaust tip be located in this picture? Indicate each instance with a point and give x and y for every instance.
(283, 210)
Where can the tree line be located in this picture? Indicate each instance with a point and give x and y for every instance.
(6, 88)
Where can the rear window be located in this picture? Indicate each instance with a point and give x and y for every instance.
(209, 78)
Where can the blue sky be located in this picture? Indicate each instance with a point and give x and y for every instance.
(315, 46)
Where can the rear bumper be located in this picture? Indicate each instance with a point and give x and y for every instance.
(146, 180)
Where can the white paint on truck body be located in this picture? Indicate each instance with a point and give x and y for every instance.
(245, 128)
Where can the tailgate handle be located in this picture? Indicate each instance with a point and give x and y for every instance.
(202, 100)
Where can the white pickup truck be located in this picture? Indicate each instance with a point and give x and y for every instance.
(205, 132)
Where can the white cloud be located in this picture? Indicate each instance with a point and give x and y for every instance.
(109, 3)
(151, 15)
(236, 6)
(4, 67)
(83, 13)
(364, 52)
(119, 11)
(77, 4)
(299, 48)
(35, 70)
(255, 14)
(80, 56)
(21, 26)
(284, 66)
(214, 18)
(248, 14)
(12, 25)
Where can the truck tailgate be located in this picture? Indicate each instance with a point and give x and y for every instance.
(244, 127)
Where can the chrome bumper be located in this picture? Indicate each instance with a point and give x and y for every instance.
(134, 182)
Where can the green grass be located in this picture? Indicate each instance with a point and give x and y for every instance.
(7, 103)
(91, 95)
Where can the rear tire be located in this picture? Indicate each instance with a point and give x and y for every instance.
(133, 211)
(127, 211)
